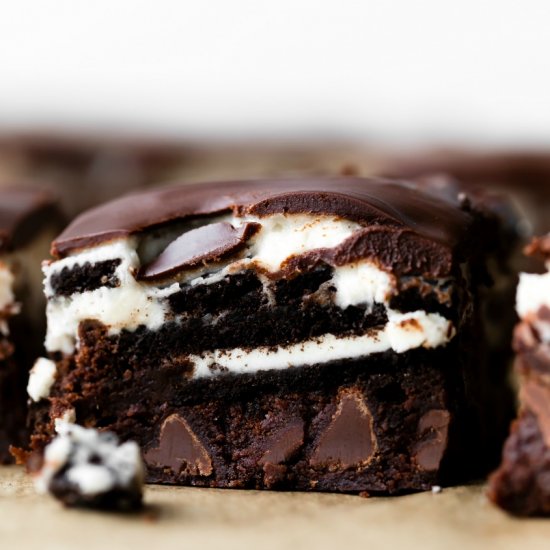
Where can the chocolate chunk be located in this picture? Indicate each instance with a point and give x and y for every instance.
(536, 397)
(284, 443)
(208, 243)
(433, 428)
(274, 474)
(180, 449)
(349, 439)
(280, 448)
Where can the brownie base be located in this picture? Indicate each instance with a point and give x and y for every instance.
(384, 424)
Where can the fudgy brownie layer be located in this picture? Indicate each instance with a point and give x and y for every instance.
(386, 423)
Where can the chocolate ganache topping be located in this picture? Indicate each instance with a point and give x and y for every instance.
(401, 222)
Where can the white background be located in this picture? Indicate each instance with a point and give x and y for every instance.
(390, 70)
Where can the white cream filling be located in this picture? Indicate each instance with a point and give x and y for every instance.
(283, 236)
(124, 307)
(135, 303)
(41, 379)
(404, 331)
(533, 293)
(360, 283)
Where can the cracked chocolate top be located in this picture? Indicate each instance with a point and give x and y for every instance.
(22, 211)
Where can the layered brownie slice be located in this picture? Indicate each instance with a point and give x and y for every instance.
(28, 220)
(521, 485)
(321, 334)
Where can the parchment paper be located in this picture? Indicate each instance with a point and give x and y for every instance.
(204, 519)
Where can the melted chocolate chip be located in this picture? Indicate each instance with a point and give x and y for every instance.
(284, 443)
(180, 449)
(433, 428)
(209, 243)
(349, 438)
(280, 448)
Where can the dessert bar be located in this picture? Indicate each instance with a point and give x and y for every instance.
(28, 221)
(312, 334)
(521, 484)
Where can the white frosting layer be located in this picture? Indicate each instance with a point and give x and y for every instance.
(361, 283)
(403, 332)
(533, 293)
(283, 236)
(134, 303)
(95, 461)
(41, 379)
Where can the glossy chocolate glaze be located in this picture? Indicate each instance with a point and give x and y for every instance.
(370, 202)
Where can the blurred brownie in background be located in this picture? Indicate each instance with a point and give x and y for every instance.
(29, 218)
(522, 483)
(86, 170)
(525, 174)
